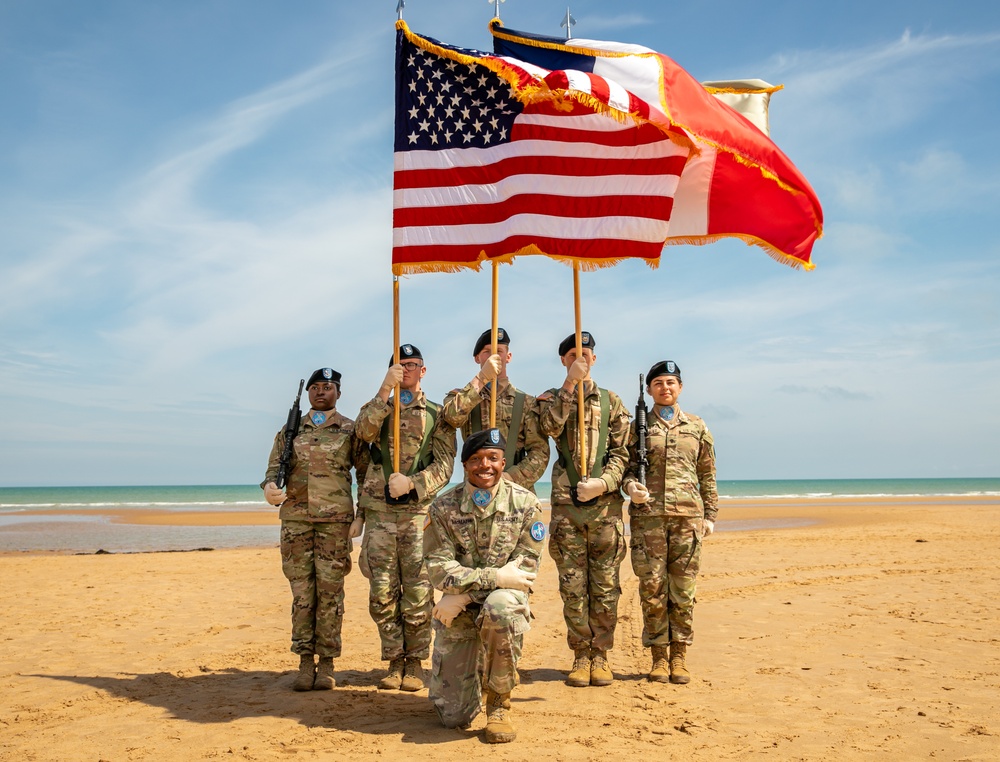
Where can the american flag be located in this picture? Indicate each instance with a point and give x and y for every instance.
(496, 157)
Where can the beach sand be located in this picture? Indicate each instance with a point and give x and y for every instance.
(868, 629)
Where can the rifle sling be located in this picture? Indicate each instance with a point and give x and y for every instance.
(418, 463)
(602, 444)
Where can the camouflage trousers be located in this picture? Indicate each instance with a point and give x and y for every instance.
(666, 557)
(400, 596)
(588, 548)
(480, 649)
(315, 558)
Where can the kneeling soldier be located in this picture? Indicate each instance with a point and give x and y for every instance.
(482, 545)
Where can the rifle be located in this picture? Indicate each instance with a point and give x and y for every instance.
(640, 432)
(291, 431)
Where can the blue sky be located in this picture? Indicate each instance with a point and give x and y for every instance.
(195, 200)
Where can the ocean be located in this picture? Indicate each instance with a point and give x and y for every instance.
(75, 519)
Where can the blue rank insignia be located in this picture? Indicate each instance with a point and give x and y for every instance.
(538, 531)
(406, 396)
(667, 413)
(318, 418)
(481, 497)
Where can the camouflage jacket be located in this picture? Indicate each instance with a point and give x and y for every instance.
(558, 411)
(464, 544)
(319, 479)
(412, 419)
(681, 473)
(460, 405)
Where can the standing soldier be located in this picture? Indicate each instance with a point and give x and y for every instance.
(482, 547)
(393, 506)
(317, 511)
(469, 409)
(670, 515)
(588, 536)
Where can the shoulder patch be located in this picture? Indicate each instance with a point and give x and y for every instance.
(538, 531)
(544, 396)
(427, 521)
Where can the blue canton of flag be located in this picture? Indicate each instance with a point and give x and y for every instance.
(448, 104)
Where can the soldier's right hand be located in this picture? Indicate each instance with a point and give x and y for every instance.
(637, 493)
(578, 370)
(512, 577)
(273, 495)
(490, 369)
(393, 378)
(449, 607)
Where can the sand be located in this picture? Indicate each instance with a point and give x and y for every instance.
(867, 630)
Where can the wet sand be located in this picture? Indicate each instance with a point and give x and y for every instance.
(864, 629)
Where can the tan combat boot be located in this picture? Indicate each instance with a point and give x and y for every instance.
(660, 673)
(307, 673)
(324, 675)
(394, 677)
(678, 669)
(413, 675)
(499, 728)
(600, 670)
(579, 675)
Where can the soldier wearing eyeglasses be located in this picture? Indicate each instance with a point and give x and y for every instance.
(392, 509)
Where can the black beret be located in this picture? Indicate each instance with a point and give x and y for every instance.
(324, 374)
(570, 342)
(486, 339)
(488, 439)
(663, 368)
(407, 352)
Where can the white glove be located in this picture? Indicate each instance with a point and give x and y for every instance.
(490, 369)
(578, 370)
(512, 577)
(588, 489)
(638, 493)
(393, 378)
(273, 495)
(357, 527)
(449, 607)
(399, 484)
(709, 527)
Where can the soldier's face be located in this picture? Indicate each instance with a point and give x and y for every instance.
(502, 350)
(570, 357)
(665, 390)
(413, 371)
(484, 468)
(323, 395)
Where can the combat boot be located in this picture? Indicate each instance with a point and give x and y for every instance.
(579, 675)
(499, 728)
(678, 669)
(325, 681)
(600, 670)
(413, 675)
(307, 673)
(660, 673)
(394, 677)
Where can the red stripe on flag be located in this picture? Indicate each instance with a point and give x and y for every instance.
(595, 249)
(650, 207)
(536, 165)
(644, 134)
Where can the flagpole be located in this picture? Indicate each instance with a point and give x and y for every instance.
(395, 361)
(580, 410)
(496, 320)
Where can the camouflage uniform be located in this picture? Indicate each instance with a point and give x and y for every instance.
(667, 530)
(465, 407)
(587, 542)
(315, 524)
(400, 596)
(464, 545)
